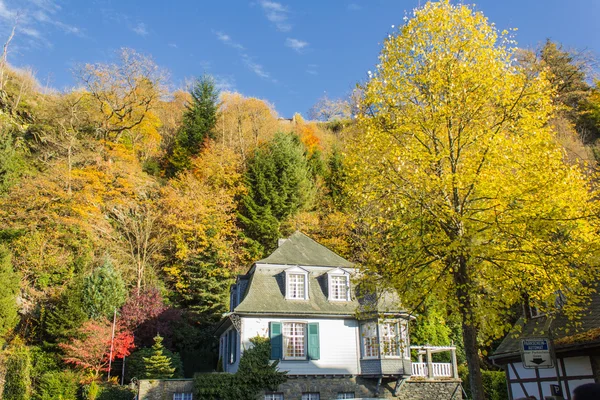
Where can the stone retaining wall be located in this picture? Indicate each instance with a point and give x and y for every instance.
(328, 387)
(163, 389)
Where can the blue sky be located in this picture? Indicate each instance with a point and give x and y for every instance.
(289, 52)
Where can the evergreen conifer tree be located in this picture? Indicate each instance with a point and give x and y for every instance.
(158, 365)
(198, 123)
(9, 288)
(103, 291)
(279, 184)
(68, 313)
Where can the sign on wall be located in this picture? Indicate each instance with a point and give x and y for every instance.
(535, 353)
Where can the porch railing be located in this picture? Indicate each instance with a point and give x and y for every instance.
(440, 370)
(432, 370)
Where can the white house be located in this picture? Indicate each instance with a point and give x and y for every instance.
(303, 297)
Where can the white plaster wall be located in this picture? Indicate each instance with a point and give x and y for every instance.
(578, 366)
(339, 347)
(574, 366)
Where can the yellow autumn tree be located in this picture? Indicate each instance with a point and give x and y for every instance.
(199, 217)
(244, 122)
(460, 187)
(126, 94)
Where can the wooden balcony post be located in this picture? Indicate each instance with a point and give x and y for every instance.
(454, 364)
(429, 364)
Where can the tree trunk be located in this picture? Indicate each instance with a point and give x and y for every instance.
(471, 351)
(464, 286)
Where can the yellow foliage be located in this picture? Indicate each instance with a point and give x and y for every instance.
(244, 122)
(458, 182)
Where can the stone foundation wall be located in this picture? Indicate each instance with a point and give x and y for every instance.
(430, 390)
(328, 387)
(163, 389)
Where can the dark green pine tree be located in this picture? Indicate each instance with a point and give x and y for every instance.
(66, 315)
(158, 365)
(209, 283)
(198, 125)
(335, 177)
(279, 183)
(9, 289)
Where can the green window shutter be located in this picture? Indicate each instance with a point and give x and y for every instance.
(276, 340)
(314, 351)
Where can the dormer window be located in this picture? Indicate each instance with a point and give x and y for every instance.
(338, 285)
(296, 285)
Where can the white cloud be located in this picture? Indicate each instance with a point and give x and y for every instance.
(298, 45)
(223, 37)
(277, 14)
(43, 17)
(48, 5)
(34, 33)
(354, 7)
(225, 83)
(255, 67)
(33, 18)
(173, 45)
(312, 69)
(7, 14)
(140, 29)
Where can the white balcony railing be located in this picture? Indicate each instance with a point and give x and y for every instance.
(440, 370)
(426, 368)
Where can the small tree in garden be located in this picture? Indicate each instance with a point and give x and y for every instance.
(158, 365)
(90, 349)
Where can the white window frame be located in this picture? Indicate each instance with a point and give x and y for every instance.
(390, 345)
(183, 396)
(286, 337)
(336, 273)
(369, 344)
(346, 395)
(311, 396)
(296, 271)
(274, 396)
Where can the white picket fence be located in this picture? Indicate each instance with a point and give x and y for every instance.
(440, 370)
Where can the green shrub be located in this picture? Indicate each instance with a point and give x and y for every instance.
(17, 384)
(494, 383)
(90, 391)
(255, 374)
(115, 392)
(58, 385)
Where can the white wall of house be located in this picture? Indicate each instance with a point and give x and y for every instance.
(574, 367)
(339, 345)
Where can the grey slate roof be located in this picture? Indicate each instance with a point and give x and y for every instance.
(565, 335)
(266, 295)
(299, 249)
(265, 292)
